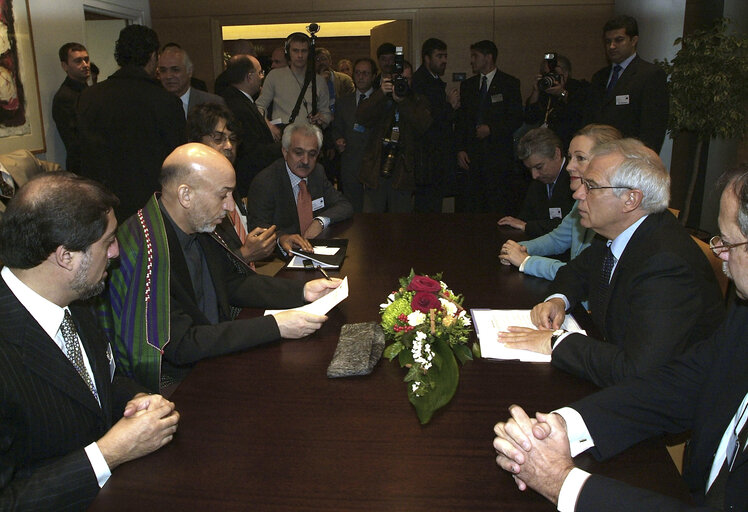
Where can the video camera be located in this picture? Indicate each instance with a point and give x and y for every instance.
(551, 78)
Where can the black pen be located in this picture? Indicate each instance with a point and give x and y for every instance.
(323, 272)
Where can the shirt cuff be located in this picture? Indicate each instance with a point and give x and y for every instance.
(522, 265)
(325, 221)
(559, 296)
(576, 430)
(572, 486)
(99, 465)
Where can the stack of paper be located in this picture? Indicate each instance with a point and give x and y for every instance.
(490, 322)
(322, 305)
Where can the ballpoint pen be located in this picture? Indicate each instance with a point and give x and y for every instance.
(323, 272)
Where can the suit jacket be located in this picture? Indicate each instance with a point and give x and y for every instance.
(271, 199)
(63, 113)
(198, 97)
(257, 149)
(503, 116)
(700, 391)
(536, 207)
(22, 166)
(663, 298)
(356, 137)
(128, 124)
(637, 105)
(47, 412)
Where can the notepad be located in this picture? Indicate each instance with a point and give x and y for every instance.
(490, 322)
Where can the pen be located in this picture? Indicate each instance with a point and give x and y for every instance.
(323, 272)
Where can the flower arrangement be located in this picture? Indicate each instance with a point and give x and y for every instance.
(429, 331)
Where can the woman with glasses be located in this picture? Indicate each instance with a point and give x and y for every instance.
(531, 256)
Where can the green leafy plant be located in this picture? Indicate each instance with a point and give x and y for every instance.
(707, 84)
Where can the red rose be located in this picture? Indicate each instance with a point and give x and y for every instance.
(424, 284)
(424, 301)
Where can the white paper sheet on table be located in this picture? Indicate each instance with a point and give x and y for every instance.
(490, 322)
(322, 305)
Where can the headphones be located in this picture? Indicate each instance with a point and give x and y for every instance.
(287, 43)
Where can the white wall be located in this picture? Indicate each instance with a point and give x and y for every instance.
(54, 23)
(101, 36)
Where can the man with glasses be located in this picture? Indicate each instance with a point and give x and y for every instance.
(704, 391)
(294, 194)
(258, 147)
(652, 293)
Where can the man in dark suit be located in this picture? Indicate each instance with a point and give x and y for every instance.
(258, 147)
(630, 94)
(175, 73)
(129, 123)
(704, 391)
(434, 172)
(172, 260)
(75, 62)
(62, 407)
(490, 112)
(548, 198)
(294, 194)
(651, 291)
(351, 137)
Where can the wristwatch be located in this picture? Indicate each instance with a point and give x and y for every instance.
(556, 334)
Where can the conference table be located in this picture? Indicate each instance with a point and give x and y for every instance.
(266, 429)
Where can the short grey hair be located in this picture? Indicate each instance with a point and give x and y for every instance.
(737, 178)
(538, 141)
(641, 169)
(186, 61)
(306, 129)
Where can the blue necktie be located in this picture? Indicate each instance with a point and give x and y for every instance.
(614, 78)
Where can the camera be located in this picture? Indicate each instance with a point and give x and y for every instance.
(399, 82)
(551, 78)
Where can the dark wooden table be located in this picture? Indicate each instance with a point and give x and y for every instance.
(267, 430)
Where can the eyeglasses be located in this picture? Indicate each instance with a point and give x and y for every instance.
(589, 186)
(222, 137)
(718, 246)
(259, 73)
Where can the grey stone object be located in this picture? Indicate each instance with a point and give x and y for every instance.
(359, 348)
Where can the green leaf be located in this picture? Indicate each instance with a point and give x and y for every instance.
(476, 350)
(463, 353)
(444, 380)
(393, 350)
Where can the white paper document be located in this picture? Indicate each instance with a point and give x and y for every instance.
(322, 305)
(298, 261)
(490, 322)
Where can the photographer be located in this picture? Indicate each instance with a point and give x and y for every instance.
(557, 100)
(396, 118)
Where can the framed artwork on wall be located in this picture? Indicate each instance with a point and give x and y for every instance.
(21, 124)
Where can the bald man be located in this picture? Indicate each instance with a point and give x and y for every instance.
(175, 295)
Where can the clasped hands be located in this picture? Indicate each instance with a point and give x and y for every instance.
(547, 317)
(512, 253)
(534, 450)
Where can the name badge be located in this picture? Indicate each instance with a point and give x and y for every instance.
(318, 204)
(555, 213)
(623, 99)
(358, 128)
(497, 98)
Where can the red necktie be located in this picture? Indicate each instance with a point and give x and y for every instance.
(304, 207)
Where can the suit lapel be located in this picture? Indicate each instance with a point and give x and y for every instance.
(40, 354)
(624, 81)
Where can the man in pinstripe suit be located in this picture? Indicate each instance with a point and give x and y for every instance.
(66, 419)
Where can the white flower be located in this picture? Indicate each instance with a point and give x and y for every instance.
(420, 336)
(448, 306)
(464, 317)
(444, 285)
(416, 318)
